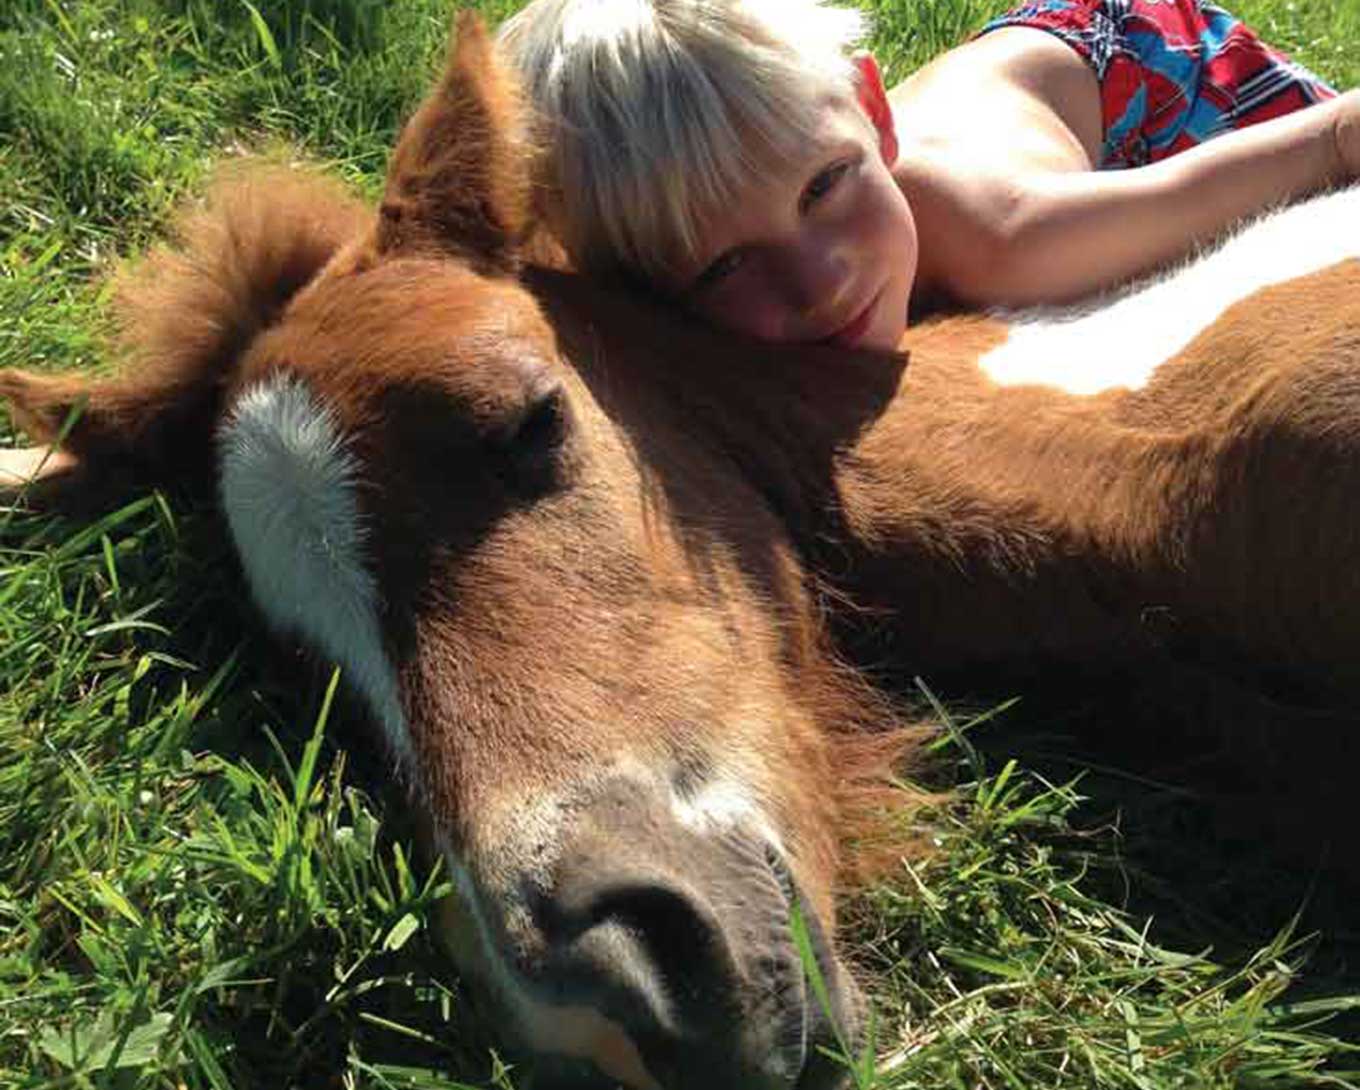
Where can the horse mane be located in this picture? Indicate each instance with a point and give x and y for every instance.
(781, 416)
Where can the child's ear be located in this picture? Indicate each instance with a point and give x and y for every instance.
(873, 99)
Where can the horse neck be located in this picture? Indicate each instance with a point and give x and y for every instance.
(775, 418)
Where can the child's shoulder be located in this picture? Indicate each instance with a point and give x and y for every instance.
(1015, 97)
(954, 204)
(974, 127)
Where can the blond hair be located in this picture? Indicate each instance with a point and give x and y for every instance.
(653, 113)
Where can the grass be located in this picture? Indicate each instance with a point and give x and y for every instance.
(203, 883)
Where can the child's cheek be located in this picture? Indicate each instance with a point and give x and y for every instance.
(760, 318)
(745, 310)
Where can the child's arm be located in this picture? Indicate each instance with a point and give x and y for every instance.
(1043, 236)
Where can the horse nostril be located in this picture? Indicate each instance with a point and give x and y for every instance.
(669, 929)
(701, 981)
(673, 938)
(687, 951)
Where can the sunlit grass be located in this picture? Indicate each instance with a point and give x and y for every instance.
(203, 879)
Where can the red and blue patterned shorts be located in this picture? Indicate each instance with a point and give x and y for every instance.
(1172, 73)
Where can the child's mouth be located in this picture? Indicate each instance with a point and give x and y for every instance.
(850, 333)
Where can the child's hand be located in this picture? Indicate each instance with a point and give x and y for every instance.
(23, 467)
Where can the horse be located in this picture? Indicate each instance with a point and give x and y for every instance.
(579, 557)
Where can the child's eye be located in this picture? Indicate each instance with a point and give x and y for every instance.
(823, 183)
(718, 271)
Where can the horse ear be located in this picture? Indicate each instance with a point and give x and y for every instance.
(458, 180)
(95, 436)
(185, 317)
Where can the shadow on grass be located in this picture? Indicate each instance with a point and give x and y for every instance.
(1234, 805)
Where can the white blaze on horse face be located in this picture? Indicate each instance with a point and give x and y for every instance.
(1120, 342)
(287, 487)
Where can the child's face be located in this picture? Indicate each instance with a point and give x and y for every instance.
(823, 252)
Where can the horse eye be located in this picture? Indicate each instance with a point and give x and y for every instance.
(532, 446)
(543, 424)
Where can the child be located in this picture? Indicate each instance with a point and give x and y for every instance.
(731, 153)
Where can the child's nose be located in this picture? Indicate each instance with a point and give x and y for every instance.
(819, 278)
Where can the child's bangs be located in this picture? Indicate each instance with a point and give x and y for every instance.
(661, 113)
(720, 133)
(763, 130)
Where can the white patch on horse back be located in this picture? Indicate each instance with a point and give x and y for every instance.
(1121, 340)
(287, 487)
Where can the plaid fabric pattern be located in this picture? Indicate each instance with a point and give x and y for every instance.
(1172, 73)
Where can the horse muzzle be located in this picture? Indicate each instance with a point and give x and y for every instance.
(662, 955)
